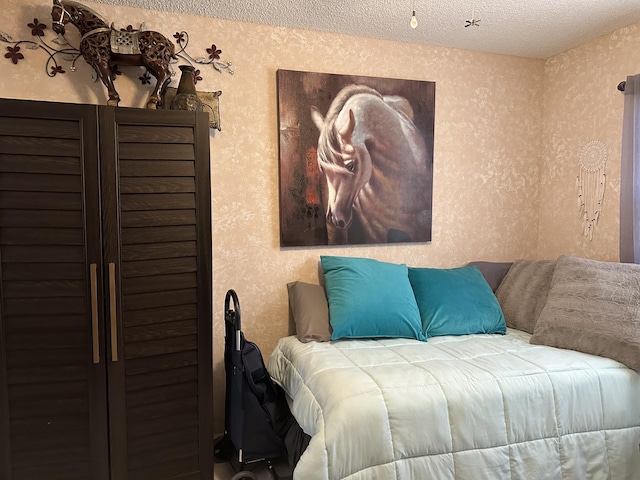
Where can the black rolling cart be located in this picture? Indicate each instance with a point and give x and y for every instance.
(254, 407)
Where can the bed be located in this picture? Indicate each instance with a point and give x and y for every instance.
(485, 401)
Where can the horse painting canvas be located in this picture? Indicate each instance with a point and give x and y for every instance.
(361, 173)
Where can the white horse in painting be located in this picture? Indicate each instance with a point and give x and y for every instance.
(376, 166)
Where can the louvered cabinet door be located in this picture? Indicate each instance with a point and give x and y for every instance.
(156, 200)
(52, 372)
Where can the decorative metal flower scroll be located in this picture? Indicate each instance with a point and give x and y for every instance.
(182, 39)
(59, 48)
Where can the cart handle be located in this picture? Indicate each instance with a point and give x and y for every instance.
(232, 316)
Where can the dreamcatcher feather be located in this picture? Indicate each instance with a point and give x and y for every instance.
(590, 184)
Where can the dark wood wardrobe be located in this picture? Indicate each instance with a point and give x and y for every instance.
(105, 293)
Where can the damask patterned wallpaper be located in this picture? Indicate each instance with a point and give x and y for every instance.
(508, 132)
(581, 105)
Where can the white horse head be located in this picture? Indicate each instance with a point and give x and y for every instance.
(376, 166)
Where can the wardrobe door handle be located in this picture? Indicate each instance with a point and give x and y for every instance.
(95, 338)
(112, 312)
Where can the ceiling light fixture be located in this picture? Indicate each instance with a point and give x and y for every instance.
(414, 21)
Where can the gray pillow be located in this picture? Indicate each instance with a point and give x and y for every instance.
(593, 307)
(523, 292)
(310, 311)
(493, 272)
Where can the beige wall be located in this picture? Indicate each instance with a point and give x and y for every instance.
(490, 145)
(581, 103)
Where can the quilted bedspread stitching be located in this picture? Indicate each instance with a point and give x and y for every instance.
(381, 390)
(551, 376)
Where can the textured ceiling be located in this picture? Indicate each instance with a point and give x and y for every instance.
(528, 28)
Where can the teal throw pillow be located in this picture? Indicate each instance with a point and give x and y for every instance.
(370, 299)
(456, 301)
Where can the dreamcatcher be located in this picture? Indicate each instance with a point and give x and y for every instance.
(590, 184)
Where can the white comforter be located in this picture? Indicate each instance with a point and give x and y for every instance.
(470, 407)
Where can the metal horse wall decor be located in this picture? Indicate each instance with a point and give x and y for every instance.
(59, 51)
(102, 46)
